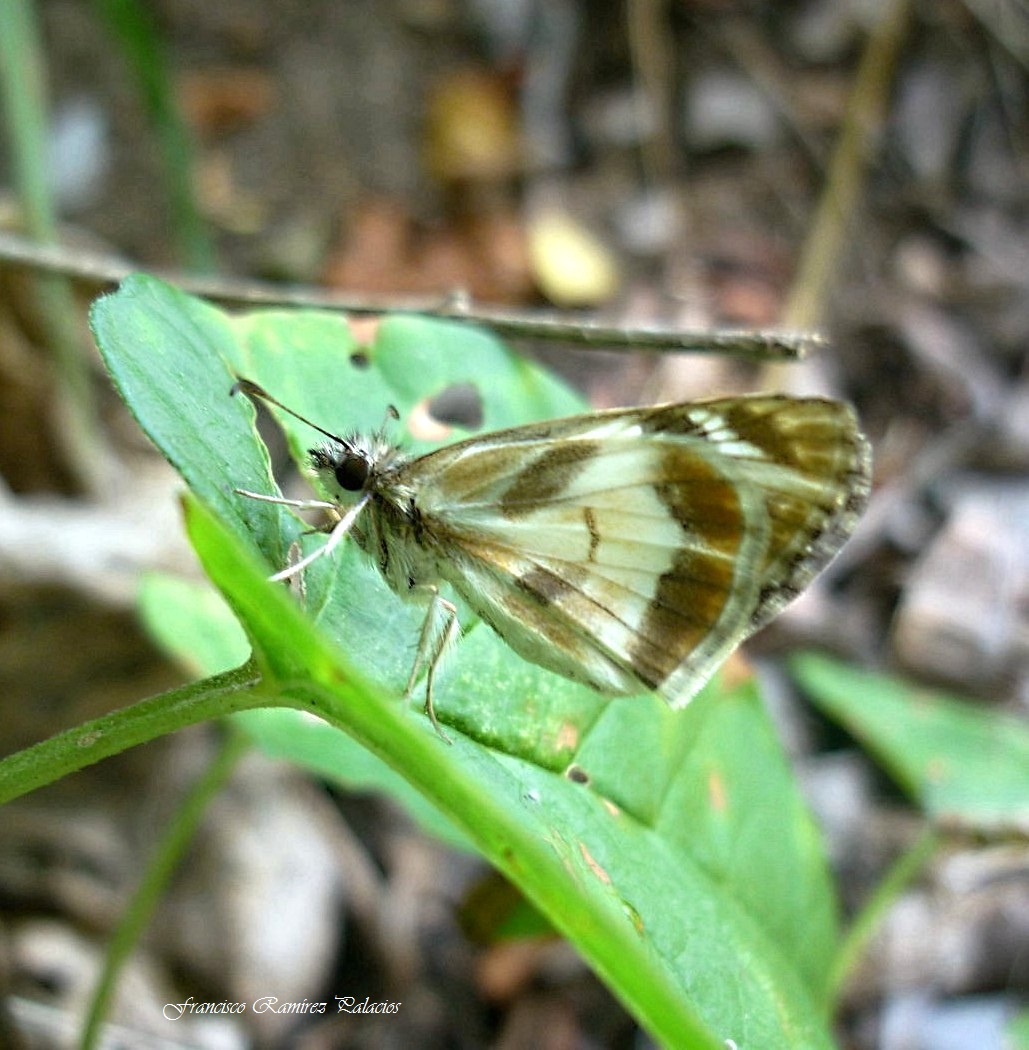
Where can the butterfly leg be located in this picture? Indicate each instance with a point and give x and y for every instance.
(336, 534)
(440, 630)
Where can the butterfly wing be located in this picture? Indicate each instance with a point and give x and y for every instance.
(636, 548)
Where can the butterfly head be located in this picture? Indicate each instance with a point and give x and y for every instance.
(345, 466)
(348, 466)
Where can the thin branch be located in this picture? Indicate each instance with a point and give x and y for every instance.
(108, 270)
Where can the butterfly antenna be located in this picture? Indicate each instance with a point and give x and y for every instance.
(254, 390)
(391, 415)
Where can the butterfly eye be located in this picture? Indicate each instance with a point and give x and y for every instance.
(352, 473)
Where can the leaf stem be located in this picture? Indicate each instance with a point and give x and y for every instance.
(74, 749)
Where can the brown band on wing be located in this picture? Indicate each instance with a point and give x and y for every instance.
(803, 435)
(799, 433)
(686, 608)
(669, 419)
(544, 587)
(547, 477)
(816, 507)
(692, 594)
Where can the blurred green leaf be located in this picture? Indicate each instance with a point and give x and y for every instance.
(192, 624)
(963, 763)
(1017, 1032)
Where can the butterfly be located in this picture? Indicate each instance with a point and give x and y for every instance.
(629, 549)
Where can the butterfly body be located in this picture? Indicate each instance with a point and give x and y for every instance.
(630, 549)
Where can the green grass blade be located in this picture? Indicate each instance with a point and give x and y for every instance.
(170, 851)
(132, 26)
(22, 78)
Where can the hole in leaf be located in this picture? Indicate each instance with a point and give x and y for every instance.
(458, 405)
(433, 419)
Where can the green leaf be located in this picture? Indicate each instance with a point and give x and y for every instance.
(170, 357)
(1017, 1032)
(963, 763)
(671, 847)
(192, 624)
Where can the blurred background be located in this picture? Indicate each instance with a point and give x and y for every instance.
(859, 167)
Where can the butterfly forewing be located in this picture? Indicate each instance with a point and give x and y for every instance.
(635, 548)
